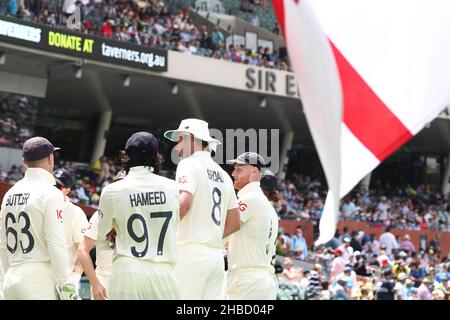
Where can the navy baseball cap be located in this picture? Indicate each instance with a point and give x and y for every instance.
(37, 148)
(142, 143)
(269, 181)
(63, 178)
(251, 158)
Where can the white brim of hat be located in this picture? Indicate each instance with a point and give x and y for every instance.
(236, 161)
(173, 135)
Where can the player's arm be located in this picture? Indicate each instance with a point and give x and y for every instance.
(78, 224)
(84, 247)
(185, 202)
(187, 183)
(232, 223)
(105, 222)
(233, 220)
(56, 243)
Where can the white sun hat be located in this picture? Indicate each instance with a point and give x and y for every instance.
(198, 128)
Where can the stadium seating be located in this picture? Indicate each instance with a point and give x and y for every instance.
(267, 17)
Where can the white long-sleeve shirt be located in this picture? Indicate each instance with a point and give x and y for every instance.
(253, 246)
(31, 224)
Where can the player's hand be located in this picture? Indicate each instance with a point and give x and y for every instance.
(111, 238)
(99, 291)
(67, 292)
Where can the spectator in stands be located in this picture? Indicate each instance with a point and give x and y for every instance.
(8, 7)
(345, 249)
(406, 244)
(277, 29)
(104, 173)
(247, 6)
(254, 20)
(341, 291)
(326, 293)
(400, 267)
(360, 267)
(424, 292)
(388, 239)
(106, 30)
(401, 289)
(345, 234)
(217, 38)
(417, 273)
(290, 273)
(299, 247)
(354, 242)
(3, 174)
(435, 243)
(385, 287)
(337, 265)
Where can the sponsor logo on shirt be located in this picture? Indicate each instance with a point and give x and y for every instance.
(59, 214)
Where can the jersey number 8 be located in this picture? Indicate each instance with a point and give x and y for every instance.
(217, 199)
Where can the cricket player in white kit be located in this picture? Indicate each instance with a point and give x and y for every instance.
(33, 249)
(74, 221)
(251, 250)
(208, 212)
(143, 209)
(98, 278)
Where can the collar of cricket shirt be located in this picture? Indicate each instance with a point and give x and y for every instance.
(201, 153)
(250, 187)
(40, 174)
(140, 170)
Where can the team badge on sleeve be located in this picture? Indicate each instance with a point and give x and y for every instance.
(242, 206)
(182, 180)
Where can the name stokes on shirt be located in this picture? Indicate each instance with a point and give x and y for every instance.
(215, 176)
(147, 198)
(18, 199)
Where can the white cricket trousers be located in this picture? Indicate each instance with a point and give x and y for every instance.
(30, 281)
(200, 272)
(251, 284)
(133, 279)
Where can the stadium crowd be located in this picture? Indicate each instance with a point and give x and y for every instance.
(405, 208)
(357, 266)
(16, 117)
(148, 23)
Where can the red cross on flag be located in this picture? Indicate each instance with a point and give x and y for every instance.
(371, 74)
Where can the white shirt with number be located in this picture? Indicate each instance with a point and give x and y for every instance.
(254, 244)
(74, 220)
(31, 224)
(143, 208)
(104, 258)
(213, 195)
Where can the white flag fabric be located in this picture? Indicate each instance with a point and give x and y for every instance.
(371, 74)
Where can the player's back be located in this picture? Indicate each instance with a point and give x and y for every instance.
(145, 214)
(23, 222)
(212, 191)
